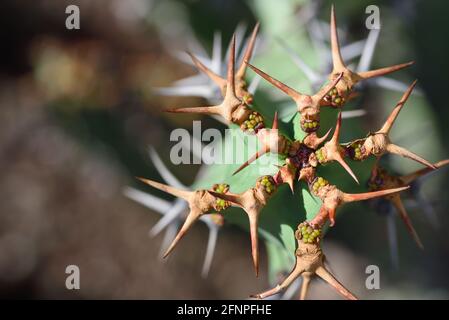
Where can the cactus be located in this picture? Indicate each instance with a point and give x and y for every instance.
(292, 219)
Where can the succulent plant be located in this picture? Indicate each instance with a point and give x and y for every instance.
(292, 220)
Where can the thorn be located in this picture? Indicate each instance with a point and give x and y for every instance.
(275, 121)
(291, 185)
(392, 148)
(308, 262)
(252, 206)
(337, 60)
(348, 197)
(297, 271)
(192, 217)
(384, 71)
(336, 135)
(219, 81)
(312, 141)
(253, 227)
(324, 91)
(174, 213)
(202, 110)
(332, 148)
(235, 199)
(295, 95)
(169, 235)
(394, 114)
(323, 138)
(334, 283)
(287, 175)
(348, 169)
(407, 179)
(256, 156)
(397, 202)
(248, 52)
(267, 293)
(173, 191)
(302, 175)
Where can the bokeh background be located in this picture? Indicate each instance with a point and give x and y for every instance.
(78, 112)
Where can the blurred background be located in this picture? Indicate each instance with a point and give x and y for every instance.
(78, 111)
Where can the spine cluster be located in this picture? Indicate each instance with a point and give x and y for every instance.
(302, 157)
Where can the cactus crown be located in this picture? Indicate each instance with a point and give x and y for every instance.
(301, 158)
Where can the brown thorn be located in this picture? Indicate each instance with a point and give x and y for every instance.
(394, 114)
(392, 148)
(324, 91)
(323, 138)
(302, 175)
(409, 178)
(312, 140)
(291, 185)
(397, 202)
(337, 60)
(335, 152)
(297, 271)
(351, 197)
(383, 71)
(286, 175)
(256, 156)
(336, 135)
(342, 162)
(334, 283)
(248, 52)
(275, 121)
(163, 187)
(253, 227)
(267, 293)
(295, 95)
(190, 220)
(212, 75)
(202, 110)
(231, 197)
